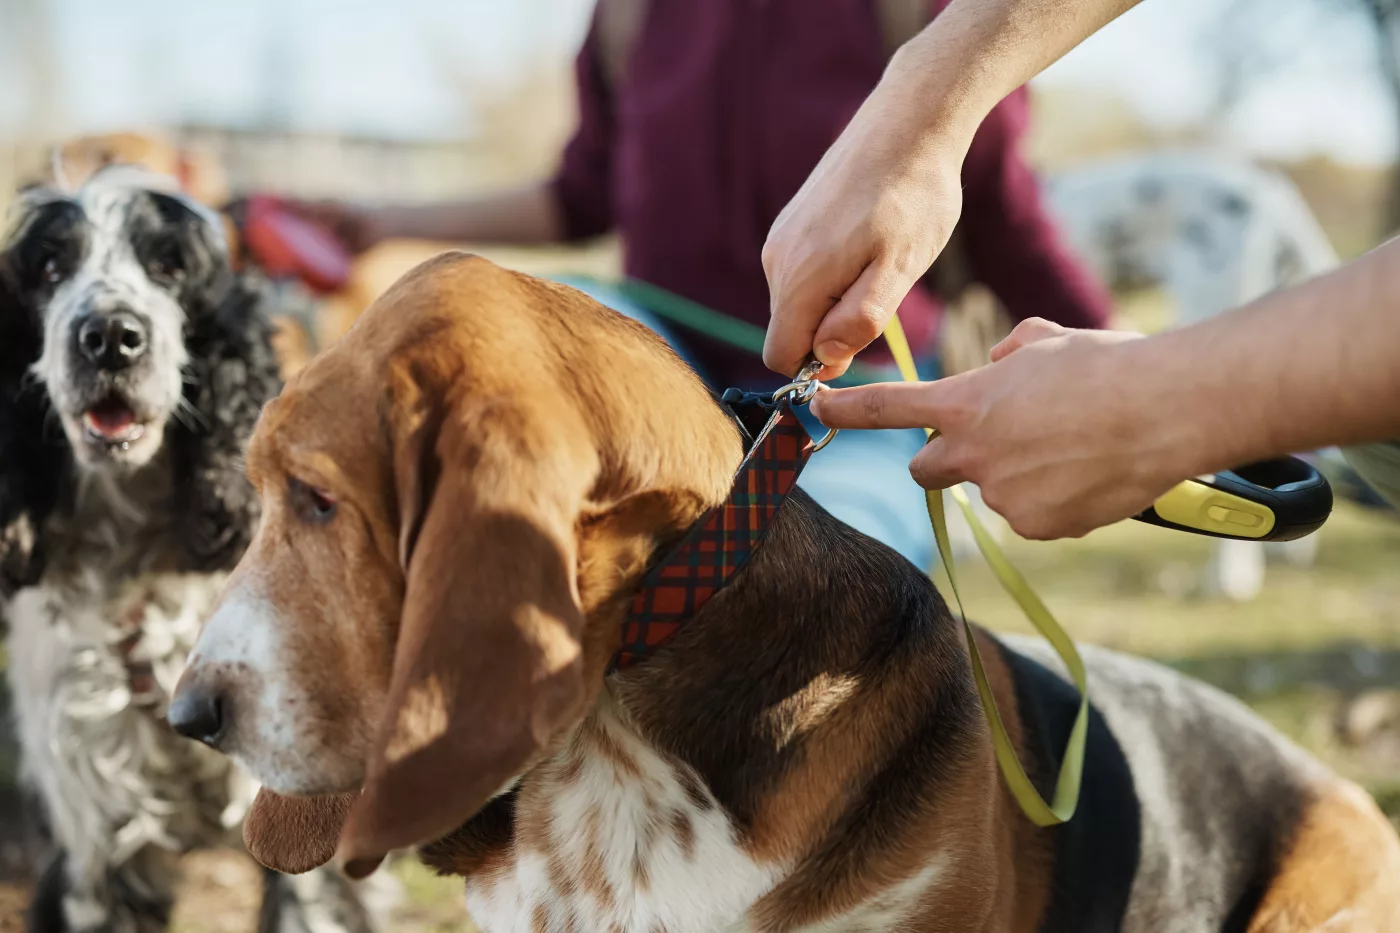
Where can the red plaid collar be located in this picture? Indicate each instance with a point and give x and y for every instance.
(718, 545)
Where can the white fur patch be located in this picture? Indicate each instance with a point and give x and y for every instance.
(242, 631)
(240, 653)
(665, 859)
(117, 784)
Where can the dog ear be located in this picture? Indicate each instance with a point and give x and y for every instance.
(294, 834)
(37, 461)
(487, 666)
(233, 372)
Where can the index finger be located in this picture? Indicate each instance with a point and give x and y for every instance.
(881, 405)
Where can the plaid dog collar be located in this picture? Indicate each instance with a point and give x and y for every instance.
(719, 545)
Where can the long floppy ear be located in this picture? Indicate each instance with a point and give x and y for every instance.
(36, 463)
(294, 834)
(487, 666)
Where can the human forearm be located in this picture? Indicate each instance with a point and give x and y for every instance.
(1069, 430)
(523, 216)
(1299, 369)
(950, 76)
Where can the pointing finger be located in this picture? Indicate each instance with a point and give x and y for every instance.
(882, 405)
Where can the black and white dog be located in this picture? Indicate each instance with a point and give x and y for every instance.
(133, 363)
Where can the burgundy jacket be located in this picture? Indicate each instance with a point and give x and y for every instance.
(724, 108)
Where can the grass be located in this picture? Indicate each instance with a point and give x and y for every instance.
(1127, 586)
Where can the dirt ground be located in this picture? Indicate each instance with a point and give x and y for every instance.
(221, 891)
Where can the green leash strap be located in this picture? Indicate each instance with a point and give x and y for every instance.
(721, 327)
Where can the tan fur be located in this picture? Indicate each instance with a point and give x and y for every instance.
(1342, 872)
(972, 325)
(998, 877)
(199, 172)
(537, 467)
(499, 494)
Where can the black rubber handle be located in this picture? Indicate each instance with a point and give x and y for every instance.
(1273, 500)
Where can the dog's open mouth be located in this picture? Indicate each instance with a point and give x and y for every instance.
(112, 422)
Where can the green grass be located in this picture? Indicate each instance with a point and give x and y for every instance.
(433, 904)
(1129, 586)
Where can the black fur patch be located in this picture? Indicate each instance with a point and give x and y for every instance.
(34, 457)
(1097, 852)
(232, 373)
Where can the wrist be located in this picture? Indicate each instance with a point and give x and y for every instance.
(1192, 418)
(950, 77)
(939, 113)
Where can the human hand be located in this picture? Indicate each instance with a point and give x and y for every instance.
(1059, 433)
(356, 226)
(867, 223)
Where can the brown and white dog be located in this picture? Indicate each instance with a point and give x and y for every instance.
(459, 500)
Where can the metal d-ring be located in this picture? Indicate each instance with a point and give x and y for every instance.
(830, 434)
(802, 390)
(803, 387)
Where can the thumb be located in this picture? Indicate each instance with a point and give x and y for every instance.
(1031, 330)
(859, 317)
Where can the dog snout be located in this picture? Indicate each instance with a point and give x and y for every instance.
(199, 712)
(112, 341)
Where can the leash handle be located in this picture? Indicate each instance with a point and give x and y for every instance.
(1273, 500)
(286, 245)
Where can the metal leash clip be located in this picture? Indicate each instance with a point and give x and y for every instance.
(802, 390)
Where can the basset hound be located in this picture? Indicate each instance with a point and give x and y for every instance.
(460, 501)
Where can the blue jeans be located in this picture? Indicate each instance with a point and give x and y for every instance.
(861, 477)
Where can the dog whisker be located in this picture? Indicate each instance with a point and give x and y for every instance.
(191, 417)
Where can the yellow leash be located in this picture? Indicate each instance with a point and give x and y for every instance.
(1072, 762)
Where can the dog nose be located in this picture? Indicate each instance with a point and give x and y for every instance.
(112, 341)
(197, 714)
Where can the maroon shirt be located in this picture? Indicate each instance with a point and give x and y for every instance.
(724, 109)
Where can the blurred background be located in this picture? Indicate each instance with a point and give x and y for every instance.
(424, 99)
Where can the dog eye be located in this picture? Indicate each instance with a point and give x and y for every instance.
(165, 269)
(53, 270)
(312, 504)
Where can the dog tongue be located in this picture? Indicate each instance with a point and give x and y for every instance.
(110, 418)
